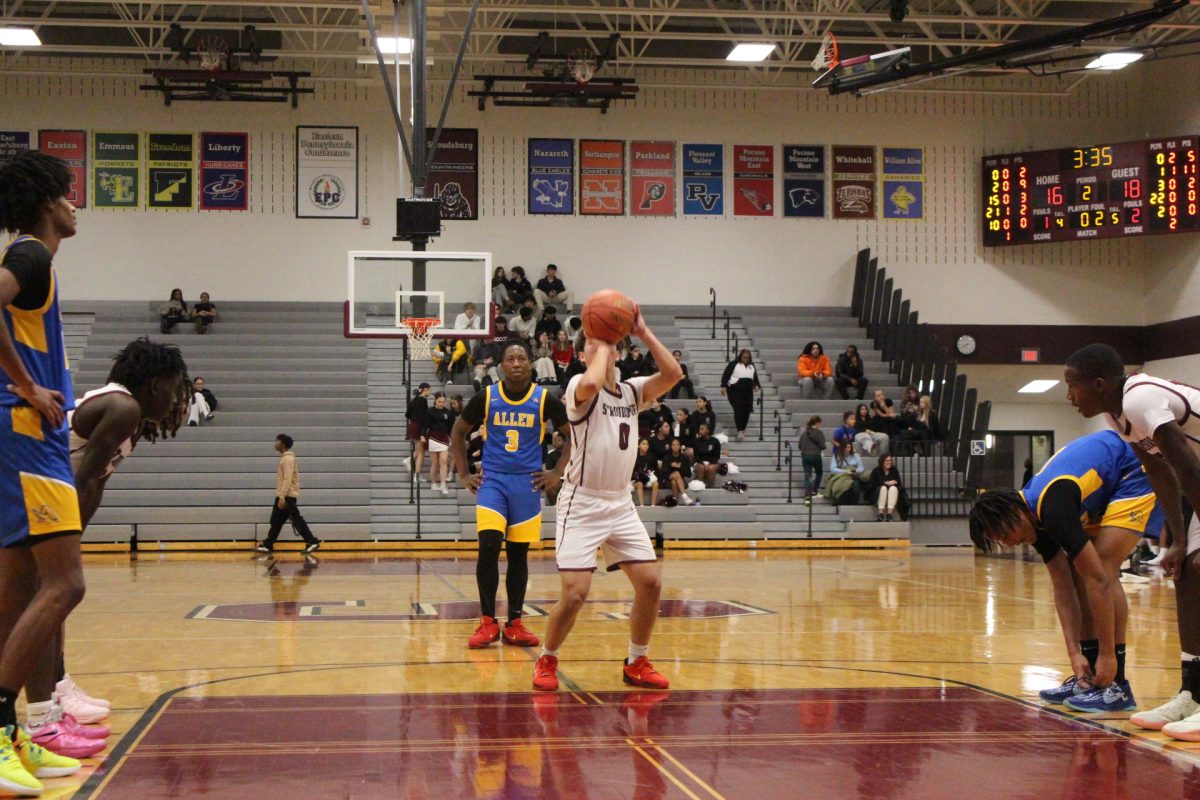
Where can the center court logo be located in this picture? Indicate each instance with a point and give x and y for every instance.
(326, 192)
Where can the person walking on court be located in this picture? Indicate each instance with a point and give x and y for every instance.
(287, 497)
(739, 383)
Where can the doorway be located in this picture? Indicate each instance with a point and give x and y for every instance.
(1005, 463)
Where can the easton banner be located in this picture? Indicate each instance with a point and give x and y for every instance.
(551, 176)
(652, 179)
(454, 176)
(704, 180)
(803, 180)
(326, 172)
(116, 169)
(224, 171)
(753, 180)
(853, 182)
(903, 183)
(71, 147)
(601, 177)
(13, 142)
(170, 171)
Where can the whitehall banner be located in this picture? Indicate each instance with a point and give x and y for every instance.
(854, 177)
(454, 176)
(13, 142)
(903, 183)
(753, 180)
(704, 180)
(326, 172)
(71, 147)
(170, 171)
(551, 176)
(652, 178)
(116, 169)
(601, 177)
(224, 171)
(803, 180)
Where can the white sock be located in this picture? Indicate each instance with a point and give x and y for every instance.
(37, 713)
(636, 651)
(548, 652)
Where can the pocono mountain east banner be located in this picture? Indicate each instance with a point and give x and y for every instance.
(326, 172)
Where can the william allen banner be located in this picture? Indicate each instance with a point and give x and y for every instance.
(224, 175)
(454, 176)
(903, 183)
(326, 172)
(551, 177)
(853, 182)
(601, 177)
(116, 169)
(170, 171)
(71, 147)
(803, 180)
(652, 178)
(13, 142)
(703, 180)
(753, 180)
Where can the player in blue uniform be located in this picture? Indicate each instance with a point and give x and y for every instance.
(1084, 512)
(513, 415)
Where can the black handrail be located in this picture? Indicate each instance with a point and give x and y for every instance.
(778, 441)
(713, 305)
(726, 313)
(760, 416)
(733, 353)
(788, 459)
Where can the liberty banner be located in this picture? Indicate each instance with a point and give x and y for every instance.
(652, 178)
(704, 180)
(803, 180)
(13, 142)
(71, 147)
(753, 180)
(551, 176)
(224, 171)
(853, 182)
(116, 169)
(454, 175)
(601, 177)
(170, 171)
(326, 172)
(903, 183)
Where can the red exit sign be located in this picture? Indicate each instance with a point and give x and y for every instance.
(1031, 355)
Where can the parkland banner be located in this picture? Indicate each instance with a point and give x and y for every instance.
(116, 169)
(704, 180)
(224, 171)
(551, 176)
(854, 178)
(71, 147)
(326, 172)
(13, 142)
(454, 176)
(753, 180)
(652, 179)
(170, 171)
(601, 177)
(803, 180)
(903, 183)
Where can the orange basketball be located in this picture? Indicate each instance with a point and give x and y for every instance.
(608, 316)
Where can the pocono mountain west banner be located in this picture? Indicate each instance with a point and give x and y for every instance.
(116, 169)
(601, 177)
(903, 183)
(326, 172)
(71, 147)
(454, 176)
(703, 180)
(170, 171)
(803, 180)
(224, 171)
(652, 179)
(853, 182)
(551, 176)
(13, 142)
(753, 180)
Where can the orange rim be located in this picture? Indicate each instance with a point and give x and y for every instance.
(420, 325)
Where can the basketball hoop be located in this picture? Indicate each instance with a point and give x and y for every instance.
(213, 52)
(420, 336)
(581, 65)
(827, 55)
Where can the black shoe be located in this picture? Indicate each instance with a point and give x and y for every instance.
(264, 547)
(193, 424)
(313, 546)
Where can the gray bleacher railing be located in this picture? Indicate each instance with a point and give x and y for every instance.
(712, 304)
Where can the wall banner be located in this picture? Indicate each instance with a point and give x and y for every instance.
(753, 180)
(224, 171)
(853, 182)
(170, 171)
(551, 176)
(71, 147)
(804, 180)
(903, 183)
(326, 172)
(601, 177)
(13, 142)
(704, 180)
(454, 175)
(652, 179)
(116, 169)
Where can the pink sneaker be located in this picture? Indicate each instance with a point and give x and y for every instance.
(55, 737)
(74, 727)
(68, 686)
(84, 712)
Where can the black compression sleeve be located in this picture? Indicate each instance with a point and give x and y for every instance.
(556, 412)
(473, 411)
(29, 262)
(1061, 506)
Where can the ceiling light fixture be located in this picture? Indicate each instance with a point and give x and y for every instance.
(750, 52)
(1116, 60)
(393, 45)
(19, 37)
(1037, 387)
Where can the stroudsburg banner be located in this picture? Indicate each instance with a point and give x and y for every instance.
(224, 171)
(454, 176)
(326, 172)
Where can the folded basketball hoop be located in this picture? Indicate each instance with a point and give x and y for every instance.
(827, 54)
(419, 331)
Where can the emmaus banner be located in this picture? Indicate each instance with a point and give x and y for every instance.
(116, 169)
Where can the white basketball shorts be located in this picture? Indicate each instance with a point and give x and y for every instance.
(588, 520)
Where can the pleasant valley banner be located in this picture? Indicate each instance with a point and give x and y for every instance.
(704, 180)
(601, 177)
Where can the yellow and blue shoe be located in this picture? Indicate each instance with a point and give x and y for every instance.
(38, 761)
(14, 777)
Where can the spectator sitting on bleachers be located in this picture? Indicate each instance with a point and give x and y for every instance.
(562, 351)
(848, 374)
(645, 469)
(523, 324)
(550, 461)
(203, 313)
(869, 441)
(704, 413)
(845, 466)
(706, 454)
(550, 290)
(913, 437)
(812, 455)
(887, 491)
(814, 372)
(675, 471)
(172, 312)
(544, 369)
(475, 451)
(884, 417)
(660, 442)
(549, 323)
(202, 405)
(844, 434)
(683, 430)
(468, 320)
(484, 358)
(500, 294)
(929, 417)
(576, 367)
(519, 288)
(654, 416)
(685, 383)
(451, 359)
(633, 365)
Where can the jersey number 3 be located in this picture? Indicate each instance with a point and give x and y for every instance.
(514, 440)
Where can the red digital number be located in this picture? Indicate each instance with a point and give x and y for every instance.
(1136, 216)
(1055, 196)
(1133, 189)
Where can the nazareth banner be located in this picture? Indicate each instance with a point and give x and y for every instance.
(753, 180)
(652, 179)
(326, 172)
(71, 147)
(551, 176)
(704, 180)
(803, 180)
(454, 176)
(903, 182)
(170, 171)
(116, 169)
(601, 177)
(13, 142)
(853, 182)
(224, 171)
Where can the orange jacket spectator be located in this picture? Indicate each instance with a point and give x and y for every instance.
(807, 366)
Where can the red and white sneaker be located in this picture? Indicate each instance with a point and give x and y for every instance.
(68, 686)
(642, 673)
(55, 737)
(487, 632)
(545, 674)
(515, 633)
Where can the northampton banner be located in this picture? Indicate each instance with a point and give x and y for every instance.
(903, 183)
(13, 142)
(224, 171)
(753, 180)
(704, 180)
(326, 172)
(454, 176)
(71, 147)
(551, 176)
(652, 178)
(853, 182)
(116, 169)
(170, 171)
(803, 180)
(601, 177)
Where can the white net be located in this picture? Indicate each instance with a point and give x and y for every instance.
(420, 336)
(581, 66)
(212, 53)
(827, 55)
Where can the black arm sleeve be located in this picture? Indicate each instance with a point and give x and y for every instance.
(473, 411)
(556, 412)
(29, 262)
(728, 373)
(1061, 506)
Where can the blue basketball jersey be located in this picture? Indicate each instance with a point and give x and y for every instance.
(38, 337)
(1101, 464)
(513, 430)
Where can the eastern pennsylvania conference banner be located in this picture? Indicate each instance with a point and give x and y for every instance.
(601, 177)
(903, 183)
(116, 169)
(754, 180)
(454, 175)
(853, 182)
(13, 142)
(170, 171)
(804, 180)
(224, 171)
(652, 178)
(71, 147)
(326, 172)
(551, 176)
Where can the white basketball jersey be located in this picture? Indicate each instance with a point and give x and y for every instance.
(1150, 402)
(604, 436)
(78, 443)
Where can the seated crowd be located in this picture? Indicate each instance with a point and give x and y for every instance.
(202, 314)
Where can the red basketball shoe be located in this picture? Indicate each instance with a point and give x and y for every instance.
(545, 674)
(516, 634)
(642, 673)
(487, 632)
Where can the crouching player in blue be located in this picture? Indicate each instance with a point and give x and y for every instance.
(1084, 512)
